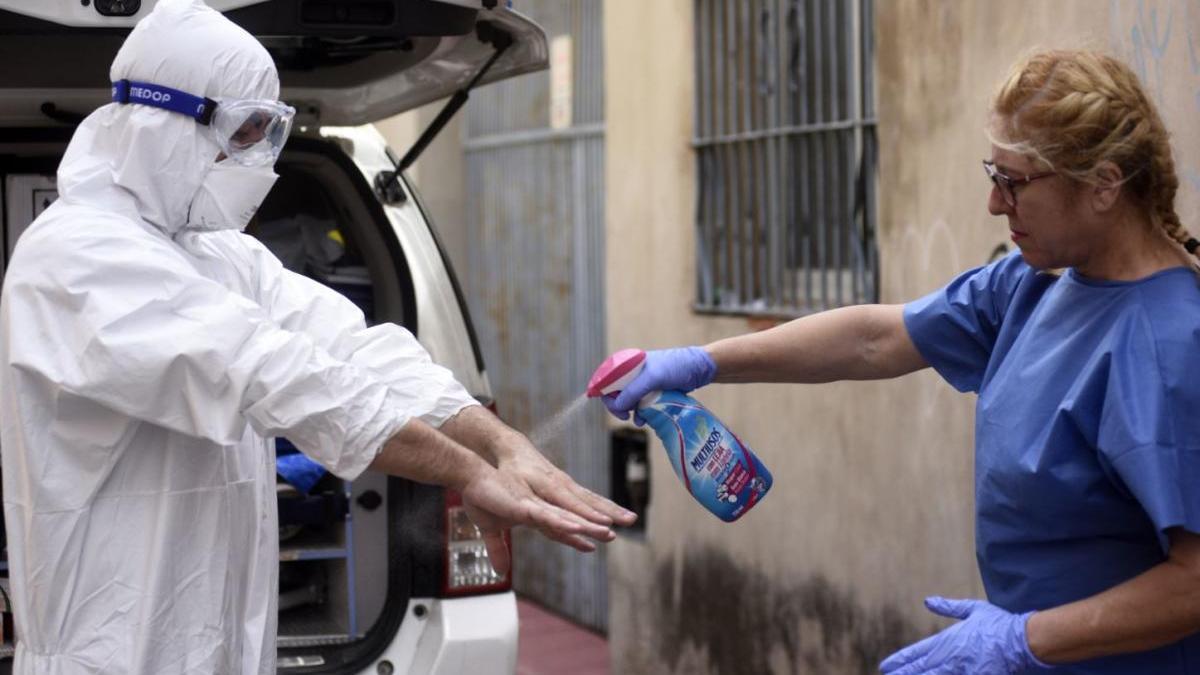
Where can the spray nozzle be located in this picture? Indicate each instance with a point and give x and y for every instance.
(615, 372)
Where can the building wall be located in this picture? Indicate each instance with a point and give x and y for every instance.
(872, 507)
(530, 257)
(535, 205)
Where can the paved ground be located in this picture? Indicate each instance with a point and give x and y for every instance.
(551, 645)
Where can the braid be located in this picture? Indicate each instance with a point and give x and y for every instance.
(1165, 185)
(1076, 109)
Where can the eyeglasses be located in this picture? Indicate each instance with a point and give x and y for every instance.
(1007, 184)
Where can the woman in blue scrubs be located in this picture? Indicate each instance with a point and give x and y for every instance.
(1084, 348)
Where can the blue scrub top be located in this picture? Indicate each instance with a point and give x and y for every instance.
(1087, 429)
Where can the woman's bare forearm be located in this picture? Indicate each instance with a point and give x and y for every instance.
(1158, 607)
(862, 342)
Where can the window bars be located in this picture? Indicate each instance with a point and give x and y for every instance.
(785, 142)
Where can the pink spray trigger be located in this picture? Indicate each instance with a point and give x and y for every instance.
(615, 370)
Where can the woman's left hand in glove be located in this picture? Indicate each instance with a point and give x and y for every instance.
(988, 641)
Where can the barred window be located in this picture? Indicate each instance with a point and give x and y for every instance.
(785, 142)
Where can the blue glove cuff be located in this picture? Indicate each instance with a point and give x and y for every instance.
(706, 368)
(1033, 661)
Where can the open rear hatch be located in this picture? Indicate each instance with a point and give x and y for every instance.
(341, 62)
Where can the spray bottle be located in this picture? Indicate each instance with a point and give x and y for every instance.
(717, 469)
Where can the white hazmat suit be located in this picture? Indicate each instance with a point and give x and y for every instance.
(146, 366)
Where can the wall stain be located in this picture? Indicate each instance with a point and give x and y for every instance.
(738, 618)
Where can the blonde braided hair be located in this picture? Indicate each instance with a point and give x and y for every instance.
(1076, 109)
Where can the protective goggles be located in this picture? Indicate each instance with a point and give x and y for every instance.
(251, 133)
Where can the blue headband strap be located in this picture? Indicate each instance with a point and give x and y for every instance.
(129, 91)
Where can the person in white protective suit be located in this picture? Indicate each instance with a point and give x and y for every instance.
(151, 350)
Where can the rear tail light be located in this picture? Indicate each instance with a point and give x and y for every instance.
(468, 570)
(489, 403)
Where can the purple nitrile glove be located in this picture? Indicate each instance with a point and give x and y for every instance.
(988, 641)
(682, 369)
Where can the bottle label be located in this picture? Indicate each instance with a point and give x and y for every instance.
(718, 470)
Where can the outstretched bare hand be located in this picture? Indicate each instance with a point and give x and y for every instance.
(496, 500)
(524, 463)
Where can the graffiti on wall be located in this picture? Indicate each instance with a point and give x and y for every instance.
(1160, 39)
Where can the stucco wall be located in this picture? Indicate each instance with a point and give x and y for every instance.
(872, 504)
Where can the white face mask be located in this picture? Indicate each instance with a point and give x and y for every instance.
(229, 196)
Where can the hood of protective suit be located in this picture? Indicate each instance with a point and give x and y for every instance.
(147, 162)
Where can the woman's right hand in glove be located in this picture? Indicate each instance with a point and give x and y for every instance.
(682, 369)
